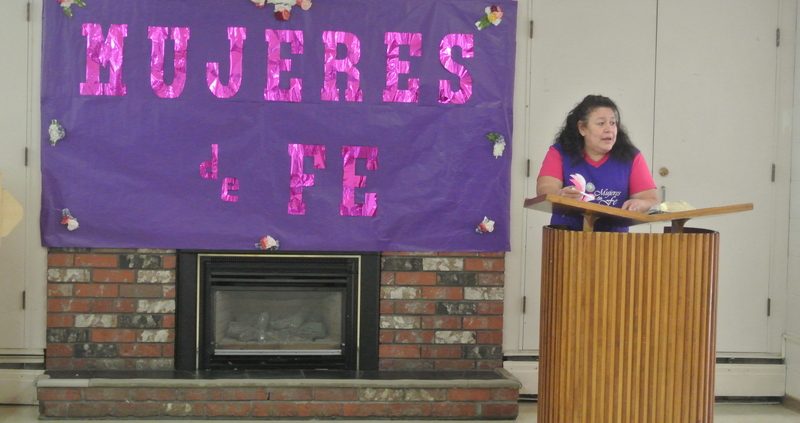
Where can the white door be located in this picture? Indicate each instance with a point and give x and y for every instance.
(580, 48)
(716, 136)
(14, 74)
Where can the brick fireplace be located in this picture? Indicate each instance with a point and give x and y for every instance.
(111, 316)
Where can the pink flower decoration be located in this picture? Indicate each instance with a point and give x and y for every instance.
(268, 243)
(68, 220)
(579, 183)
(486, 226)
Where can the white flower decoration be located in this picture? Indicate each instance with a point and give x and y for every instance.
(268, 243)
(498, 149)
(486, 226)
(56, 132)
(72, 224)
(68, 219)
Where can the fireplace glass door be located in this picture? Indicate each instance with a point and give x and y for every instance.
(267, 311)
(279, 312)
(282, 321)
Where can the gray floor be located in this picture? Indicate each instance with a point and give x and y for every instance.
(723, 413)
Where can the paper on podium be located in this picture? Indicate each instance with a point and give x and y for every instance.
(10, 211)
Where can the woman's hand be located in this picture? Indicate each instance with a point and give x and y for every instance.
(570, 192)
(634, 205)
(550, 185)
(641, 202)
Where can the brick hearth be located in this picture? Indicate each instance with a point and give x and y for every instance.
(114, 311)
(492, 395)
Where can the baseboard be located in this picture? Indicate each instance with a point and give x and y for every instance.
(791, 403)
(18, 386)
(20, 357)
(528, 374)
(731, 379)
(750, 380)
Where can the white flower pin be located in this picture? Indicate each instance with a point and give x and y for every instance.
(498, 143)
(486, 226)
(268, 243)
(69, 220)
(56, 132)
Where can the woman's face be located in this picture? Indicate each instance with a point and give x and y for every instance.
(599, 132)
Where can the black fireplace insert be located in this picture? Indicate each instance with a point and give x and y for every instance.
(245, 311)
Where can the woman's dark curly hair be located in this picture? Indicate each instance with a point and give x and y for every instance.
(571, 140)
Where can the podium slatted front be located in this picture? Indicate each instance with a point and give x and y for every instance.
(628, 327)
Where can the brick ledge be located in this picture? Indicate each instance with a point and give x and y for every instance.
(504, 380)
(392, 398)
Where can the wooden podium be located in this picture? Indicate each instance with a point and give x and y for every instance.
(628, 320)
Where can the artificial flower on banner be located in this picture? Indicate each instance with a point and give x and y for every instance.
(66, 5)
(56, 132)
(498, 143)
(283, 8)
(493, 16)
(486, 226)
(268, 243)
(70, 221)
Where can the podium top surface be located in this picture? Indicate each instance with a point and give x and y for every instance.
(550, 202)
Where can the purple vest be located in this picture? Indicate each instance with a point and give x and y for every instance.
(609, 184)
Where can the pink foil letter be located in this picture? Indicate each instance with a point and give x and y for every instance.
(105, 52)
(351, 181)
(347, 65)
(395, 67)
(276, 65)
(228, 185)
(158, 37)
(209, 169)
(236, 35)
(298, 180)
(466, 42)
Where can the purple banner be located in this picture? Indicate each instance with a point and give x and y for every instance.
(347, 125)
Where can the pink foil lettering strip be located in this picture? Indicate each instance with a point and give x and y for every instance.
(276, 65)
(228, 185)
(467, 44)
(351, 181)
(209, 169)
(347, 65)
(396, 67)
(108, 51)
(299, 180)
(158, 37)
(236, 35)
